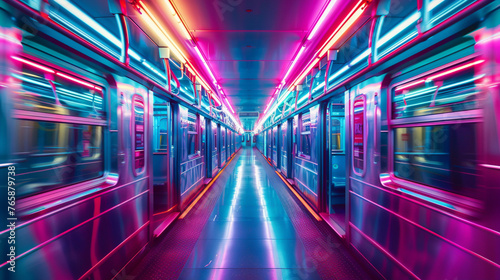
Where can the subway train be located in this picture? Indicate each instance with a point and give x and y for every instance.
(394, 139)
(97, 145)
(391, 137)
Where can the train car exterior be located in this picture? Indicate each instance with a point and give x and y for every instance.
(404, 135)
(103, 152)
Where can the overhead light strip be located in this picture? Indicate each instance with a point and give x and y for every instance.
(343, 27)
(321, 19)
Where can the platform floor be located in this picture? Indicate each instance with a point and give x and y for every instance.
(249, 226)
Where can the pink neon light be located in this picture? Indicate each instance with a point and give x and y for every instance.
(276, 91)
(293, 63)
(78, 81)
(456, 69)
(205, 63)
(440, 75)
(229, 105)
(411, 84)
(268, 104)
(321, 19)
(36, 65)
(46, 69)
(214, 97)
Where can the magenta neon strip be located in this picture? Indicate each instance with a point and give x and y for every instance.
(428, 230)
(74, 227)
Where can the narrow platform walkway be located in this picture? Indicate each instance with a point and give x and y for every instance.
(248, 233)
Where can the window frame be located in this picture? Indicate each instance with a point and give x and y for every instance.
(68, 190)
(302, 132)
(197, 144)
(455, 201)
(140, 170)
(365, 134)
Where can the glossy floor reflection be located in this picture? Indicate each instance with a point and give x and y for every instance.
(249, 234)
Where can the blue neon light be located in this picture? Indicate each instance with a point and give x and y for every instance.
(426, 198)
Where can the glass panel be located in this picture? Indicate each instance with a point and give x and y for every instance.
(215, 138)
(76, 97)
(337, 129)
(163, 134)
(101, 31)
(144, 54)
(451, 90)
(305, 135)
(351, 58)
(52, 155)
(337, 143)
(192, 120)
(193, 146)
(440, 10)
(359, 134)
(438, 155)
(398, 27)
(138, 105)
(43, 89)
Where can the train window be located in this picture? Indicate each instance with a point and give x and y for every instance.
(450, 90)
(76, 97)
(46, 90)
(437, 155)
(359, 144)
(215, 138)
(434, 153)
(337, 122)
(295, 121)
(305, 135)
(284, 128)
(193, 145)
(163, 134)
(398, 27)
(223, 134)
(52, 152)
(202, 129)
(52, 155)
(336, 137)
(138, 127)
(440, 10)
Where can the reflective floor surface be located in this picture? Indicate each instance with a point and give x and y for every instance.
(249, 232)
(248, 226)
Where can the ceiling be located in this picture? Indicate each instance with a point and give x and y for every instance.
(249, 44)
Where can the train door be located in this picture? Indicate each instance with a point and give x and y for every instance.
(284, 147)
(204, 130)
(275, 159)
(269, 144)
(223, 140)
(295, 122)
(336, 193)
(264, 139)
(229, 143)
(215, 148)
(162, 131)
(220, 155)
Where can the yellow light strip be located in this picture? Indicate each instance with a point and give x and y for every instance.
(184, 214)
(154, 23)
(177, 52)
(348, 21)
(344, 26)
(305, 72)
(178, 19)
